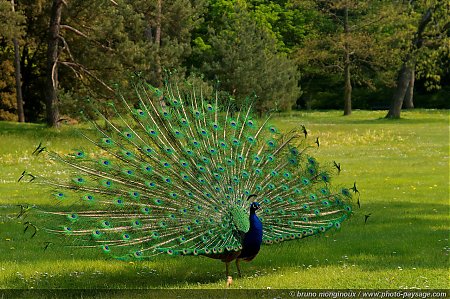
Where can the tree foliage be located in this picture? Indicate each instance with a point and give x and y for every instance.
(274, 53)
(11, 26)
(243, 56)
(426, 49)
(351, 47)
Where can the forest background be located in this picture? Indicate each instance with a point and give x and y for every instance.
(283, 55)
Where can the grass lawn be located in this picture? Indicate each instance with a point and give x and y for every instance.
(402, 171)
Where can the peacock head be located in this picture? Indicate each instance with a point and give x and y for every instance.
(254, 206)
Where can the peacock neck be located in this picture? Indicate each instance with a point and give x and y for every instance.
(255, 223)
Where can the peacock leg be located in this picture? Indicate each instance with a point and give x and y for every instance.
(227, 267)
(238, 267)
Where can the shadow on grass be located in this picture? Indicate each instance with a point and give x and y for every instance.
(396, 235)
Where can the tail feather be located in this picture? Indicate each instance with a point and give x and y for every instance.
(175, 174)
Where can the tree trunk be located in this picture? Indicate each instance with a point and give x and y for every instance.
(347, 75)
(158, 43)
(408, 102)
(52, 65)
(403, 81)
(407, 69)
(18, 75)
(347, 89)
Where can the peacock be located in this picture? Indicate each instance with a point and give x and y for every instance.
(173, 172)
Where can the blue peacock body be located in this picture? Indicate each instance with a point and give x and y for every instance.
(175, 174)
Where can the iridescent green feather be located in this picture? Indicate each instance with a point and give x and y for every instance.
(173, 176)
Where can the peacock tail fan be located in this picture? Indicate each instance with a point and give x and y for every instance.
(172, 173)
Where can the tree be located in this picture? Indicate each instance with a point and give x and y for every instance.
(59, 53)
(347, 46)
(18, 75)
(52, 64)
(243, 57)
(167, 32)
(408, 101)
(90, 47)
(428, 43)
(90, 41)
(134, 36)
(11, 30)
(347, 78)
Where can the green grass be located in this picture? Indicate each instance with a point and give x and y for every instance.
(402, 171)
